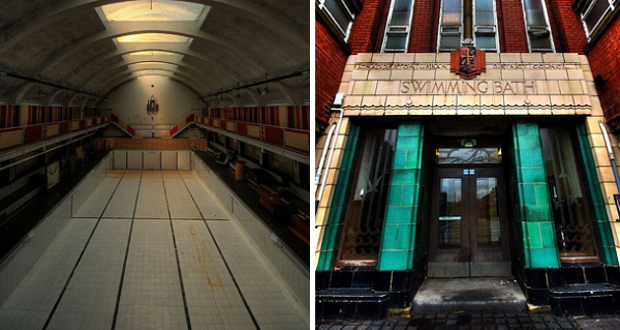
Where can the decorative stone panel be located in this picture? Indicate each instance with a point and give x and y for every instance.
(513, 84)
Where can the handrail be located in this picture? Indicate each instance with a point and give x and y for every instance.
(47, 123)
(261, 124)
(15, 137)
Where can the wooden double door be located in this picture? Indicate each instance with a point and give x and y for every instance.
(469, 234)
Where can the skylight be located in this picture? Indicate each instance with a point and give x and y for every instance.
(151, 53)
(168, 55)
(152, 37)
(156, 10)
(139, 64)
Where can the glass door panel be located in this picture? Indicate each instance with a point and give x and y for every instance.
(450, 214)
(487, 213)
(449, 251)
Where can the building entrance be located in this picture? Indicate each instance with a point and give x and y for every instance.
(469, 234)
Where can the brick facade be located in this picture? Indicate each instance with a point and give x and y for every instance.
(368, 30)
(425, 18)
(605, 61)
(568, 32)
(331, 58)
(512, 36)
(368, 26)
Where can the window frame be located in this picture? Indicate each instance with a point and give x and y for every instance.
(585, 191)
(527, 26)
(474, 26)
(462, 27)
(440, 26)
(388, 26)
(364, 132)
(611, 8)
(331, 20)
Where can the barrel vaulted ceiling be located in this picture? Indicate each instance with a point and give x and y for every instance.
(61, 52)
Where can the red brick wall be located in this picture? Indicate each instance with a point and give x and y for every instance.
(568, 30)
(423, 38)
(367, 27)
(331, 58)
(512, 37)
(604, 62)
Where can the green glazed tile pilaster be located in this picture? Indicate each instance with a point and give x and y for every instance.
(402, 245)
(602, 228)
(533, 209)
(335, 220)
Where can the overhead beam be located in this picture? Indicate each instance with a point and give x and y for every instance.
(116, 84)
(112, 81)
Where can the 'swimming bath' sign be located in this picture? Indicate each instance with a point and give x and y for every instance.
(471, 87)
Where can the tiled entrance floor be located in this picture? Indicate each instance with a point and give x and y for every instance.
(150, 250)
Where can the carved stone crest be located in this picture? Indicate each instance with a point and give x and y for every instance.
(467, 62)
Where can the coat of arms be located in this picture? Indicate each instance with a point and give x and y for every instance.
(467, 62)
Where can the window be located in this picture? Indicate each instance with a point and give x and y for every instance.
(468, 20)
(537, 26)
(573, 226)
(339, 15)
(361, 236)
(593, 13)
(399, 26)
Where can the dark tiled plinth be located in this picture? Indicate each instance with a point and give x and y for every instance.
(351, 303)
(582, 289)
(364, 293)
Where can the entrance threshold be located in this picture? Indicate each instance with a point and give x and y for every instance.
(473, 294)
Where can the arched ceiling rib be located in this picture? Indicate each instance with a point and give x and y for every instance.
(214, 72)
(72, 43)
(73, 70)
(109, 82)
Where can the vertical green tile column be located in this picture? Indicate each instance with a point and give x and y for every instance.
(404, 207)
(333, 229)
(533, 212)
(602, 228)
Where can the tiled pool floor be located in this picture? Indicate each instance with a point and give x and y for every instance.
(150, 250)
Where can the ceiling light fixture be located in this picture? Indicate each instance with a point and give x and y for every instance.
(152, 107)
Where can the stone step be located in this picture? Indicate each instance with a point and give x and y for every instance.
(351, 303)
(469, 294)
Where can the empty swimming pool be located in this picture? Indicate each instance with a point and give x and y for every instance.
(151, 250)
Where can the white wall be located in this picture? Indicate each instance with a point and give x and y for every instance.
(175, 102)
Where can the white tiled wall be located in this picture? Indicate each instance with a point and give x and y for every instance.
(294, 274)
(134, 160)
(120, 159)
(169, 160)
(151, 159)
(184, 157)
(17, 264)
